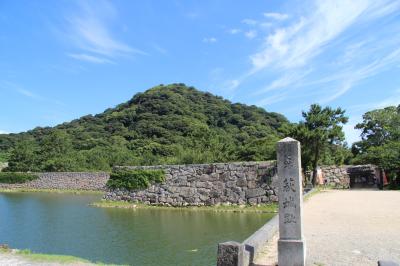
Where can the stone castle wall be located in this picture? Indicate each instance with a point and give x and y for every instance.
(207, 184)
(342, 176)
(65, 180)
(336, 176)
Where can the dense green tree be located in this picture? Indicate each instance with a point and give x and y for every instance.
(379, 127)
(24, 156)
(320, 131)
(166, 124)
(380, 144)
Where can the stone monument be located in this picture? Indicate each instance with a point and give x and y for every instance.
(291, 244)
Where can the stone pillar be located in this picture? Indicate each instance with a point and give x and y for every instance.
(230, 254)
(291, 244)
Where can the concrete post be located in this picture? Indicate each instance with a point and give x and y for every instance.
(230, 254)
(291, 244)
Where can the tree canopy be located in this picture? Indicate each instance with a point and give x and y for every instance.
(321, 136)
(380, 144)
(166, 124)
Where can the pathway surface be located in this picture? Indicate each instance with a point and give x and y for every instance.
(348, 227)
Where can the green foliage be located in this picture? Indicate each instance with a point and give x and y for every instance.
(16, 178)
(135, 179)
(171, 124)
(4, 156)
(380, 144)
(321, 136)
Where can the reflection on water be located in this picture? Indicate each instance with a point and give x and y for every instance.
(65, 224)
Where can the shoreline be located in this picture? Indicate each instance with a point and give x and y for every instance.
(49, 190)
(271, 208)
(27, 257)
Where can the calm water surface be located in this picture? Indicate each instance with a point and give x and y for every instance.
(65, 224)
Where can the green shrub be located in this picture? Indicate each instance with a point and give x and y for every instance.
(16, 178)
(135, 179)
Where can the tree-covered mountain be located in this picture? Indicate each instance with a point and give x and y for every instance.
(166, 124)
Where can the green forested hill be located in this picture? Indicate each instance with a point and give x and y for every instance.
(166, 124)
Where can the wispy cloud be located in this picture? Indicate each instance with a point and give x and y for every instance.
(28, 94)
(392, 100)
(272, 99)
(296, 44)
(234, 31)
(16, 88)
(251, 34)
(294, 48)
(277, 16)
(89, 29)
(7, 85)
(249, 21)
(91, 58)
(351, 77)
(159, 49)
(284, 81)
(210, 40)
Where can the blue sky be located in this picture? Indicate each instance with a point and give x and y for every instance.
(60, 60)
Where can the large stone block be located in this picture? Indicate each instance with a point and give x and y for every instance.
(255, 192)
(230, 254)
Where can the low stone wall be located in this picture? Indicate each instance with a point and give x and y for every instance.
(336, 176)
(65, 180)
(207, 184)
(346, 176)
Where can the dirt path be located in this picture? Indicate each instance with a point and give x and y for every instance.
(349, 227)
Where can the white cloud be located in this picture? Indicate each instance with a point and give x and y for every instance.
(26, 93)
(232, 84)
(251, 34)
(3, 132)
(355, 75)
(277, 16)
(160, 49)
(90, 58)
(272, 99)
(296, 44)
(210, 40)
(266, 24)
(284, 81)
(89, 30)
(294, 47)
(234, 31)
(249, 21)
(338, 31)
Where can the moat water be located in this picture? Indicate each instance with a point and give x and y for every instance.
(66, 224)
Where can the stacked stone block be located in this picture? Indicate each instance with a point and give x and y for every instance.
(207, 184)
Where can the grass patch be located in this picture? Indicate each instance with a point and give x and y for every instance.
(264, 208)
(50, 258)
(316, 190)
(38, 257)
(60, 191)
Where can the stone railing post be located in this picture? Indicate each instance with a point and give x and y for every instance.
(291, 244)
(230, 254)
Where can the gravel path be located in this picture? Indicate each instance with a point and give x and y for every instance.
(348, 227)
